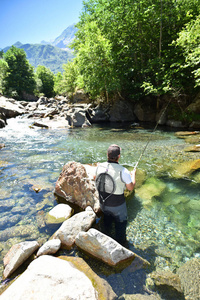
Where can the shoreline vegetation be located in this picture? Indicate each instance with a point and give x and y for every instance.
(142, 54)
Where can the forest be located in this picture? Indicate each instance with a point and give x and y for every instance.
(122, 49)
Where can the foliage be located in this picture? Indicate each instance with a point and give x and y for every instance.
(46, 78)
(126, 46)
(3, 71)
(66, 83)
(19, 76)
(189, 41)
(46, 55)
(95, 64)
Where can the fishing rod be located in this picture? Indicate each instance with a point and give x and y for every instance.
(135, 167)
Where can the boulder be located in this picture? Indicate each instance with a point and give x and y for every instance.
(75, 186)
(98, 115)
(10, 107)
(121, 111)
(49, 277)
(17, 255)
(104, 248)
(189, 274)
(71, 227)
(40, 125)
(103, 288)
(183, 134)
(50, 247)
(145, 112)
(76, 115)
(59, 214)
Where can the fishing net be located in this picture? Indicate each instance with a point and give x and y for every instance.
(105, 185)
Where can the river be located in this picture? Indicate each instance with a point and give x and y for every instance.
(165, 231)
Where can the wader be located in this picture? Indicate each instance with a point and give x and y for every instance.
(114, 208)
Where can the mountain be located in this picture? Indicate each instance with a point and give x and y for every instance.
(64, 40)
(50, 54)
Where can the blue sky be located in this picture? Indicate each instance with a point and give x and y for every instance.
(31, 21)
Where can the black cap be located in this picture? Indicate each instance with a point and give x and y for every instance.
(113, 151)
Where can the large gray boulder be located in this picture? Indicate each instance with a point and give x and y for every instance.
(105, 248)
(75, 185)
(48, 278)
(77, 116)
(71, 227)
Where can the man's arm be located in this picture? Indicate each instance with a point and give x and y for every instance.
(130, 186)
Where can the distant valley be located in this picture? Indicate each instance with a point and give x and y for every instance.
(50, 54)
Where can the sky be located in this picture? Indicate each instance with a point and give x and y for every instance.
(31, 21)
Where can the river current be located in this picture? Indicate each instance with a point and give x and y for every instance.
(166, 231)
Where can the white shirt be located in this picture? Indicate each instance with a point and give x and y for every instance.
(126, 176)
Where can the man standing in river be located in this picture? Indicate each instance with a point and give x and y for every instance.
(111, 180)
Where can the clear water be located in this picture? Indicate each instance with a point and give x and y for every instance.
(166, 232)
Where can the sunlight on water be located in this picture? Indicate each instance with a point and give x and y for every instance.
(168, 222)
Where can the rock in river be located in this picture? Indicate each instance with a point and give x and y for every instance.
(105, 248)
(75, 186)
(71, 227)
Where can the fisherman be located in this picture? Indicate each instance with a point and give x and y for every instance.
(112, 202)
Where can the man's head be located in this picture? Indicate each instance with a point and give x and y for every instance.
(113, 152)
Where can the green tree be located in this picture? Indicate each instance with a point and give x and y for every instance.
(3, 71)
(95, 64)
(46, 78)
(19, 77)
(139, 36)
(188, 40)
(67, 82)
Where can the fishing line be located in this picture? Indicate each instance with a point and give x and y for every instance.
(149, 139)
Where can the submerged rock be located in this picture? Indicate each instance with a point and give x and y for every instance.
(75, 186)
(152, 188)
(183, 134)
(166, 277)
(185, 169)
(189, 274)
(17, 255)
(195, 148)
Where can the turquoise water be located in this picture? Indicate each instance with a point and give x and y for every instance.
(166, 231)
